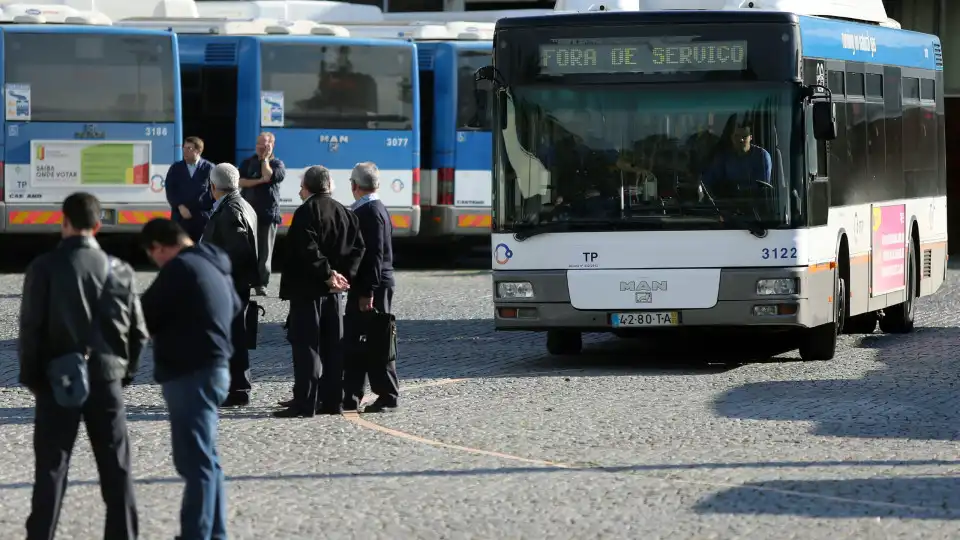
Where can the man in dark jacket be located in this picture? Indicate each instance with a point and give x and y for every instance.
(60, 298)
(187, 191)
(233, 228)
(372, 289)
(324, 249)
(189, 309)
(260, 177)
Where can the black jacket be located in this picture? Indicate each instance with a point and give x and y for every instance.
(60, 292)
(233, 228)
(376, 268)
(323, 236)
(189, 308)
(265, 198)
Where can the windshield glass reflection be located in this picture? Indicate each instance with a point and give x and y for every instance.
(671, 158)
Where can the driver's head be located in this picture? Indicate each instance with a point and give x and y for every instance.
(742, 138)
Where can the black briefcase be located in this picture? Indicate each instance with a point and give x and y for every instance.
(252, 323)
(376, 336)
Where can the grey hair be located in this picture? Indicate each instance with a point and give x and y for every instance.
(225, 177)
(317, 180)
(366, 176)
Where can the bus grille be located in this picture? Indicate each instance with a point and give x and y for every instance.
(927, 263)
(425, 59)
(938, 54)
(220, 53)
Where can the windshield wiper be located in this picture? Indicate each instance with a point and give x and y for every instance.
(754, 227)
(529, 230)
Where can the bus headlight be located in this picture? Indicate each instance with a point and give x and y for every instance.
(776, 286)
(514, 289)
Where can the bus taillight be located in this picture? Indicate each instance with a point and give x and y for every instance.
(445, 185)
(416, 187)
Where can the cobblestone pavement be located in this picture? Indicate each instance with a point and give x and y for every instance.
(495, 440)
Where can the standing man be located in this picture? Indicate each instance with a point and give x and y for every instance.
(233, 228)
(187, 191)
(61, 295)
(261, 175)
(189, 309)
(324, 249)
(372, 289)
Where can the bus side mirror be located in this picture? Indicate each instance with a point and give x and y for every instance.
(824, 121)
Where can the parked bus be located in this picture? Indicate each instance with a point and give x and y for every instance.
(90, 107)
(668, 170)
(455, 134)
(329, 99)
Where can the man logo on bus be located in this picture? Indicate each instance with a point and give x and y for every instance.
(502, 254)
(90, 131)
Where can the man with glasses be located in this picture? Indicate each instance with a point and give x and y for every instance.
(187, 189)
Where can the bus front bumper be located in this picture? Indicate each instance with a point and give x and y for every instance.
(46, 218)
(737, 305)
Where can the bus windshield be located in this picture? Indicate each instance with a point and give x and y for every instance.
(666, 156)
(469, 115)
(93, 78)
(341, 87)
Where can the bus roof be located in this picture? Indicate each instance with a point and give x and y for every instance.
(314, 10)
(50, 13)
(234, 27)
(870, 11)
(423, 30)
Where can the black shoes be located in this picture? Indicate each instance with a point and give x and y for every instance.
(236, 399)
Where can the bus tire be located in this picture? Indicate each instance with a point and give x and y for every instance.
(820, 343)
(563, 342)
(898, 319)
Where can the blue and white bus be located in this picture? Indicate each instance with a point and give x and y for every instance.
(455, 135)
(690, 172)
(89, 107)
(329, 99)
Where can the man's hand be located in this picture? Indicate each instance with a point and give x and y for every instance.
(337, 282)
(184, 212)
(366, 303)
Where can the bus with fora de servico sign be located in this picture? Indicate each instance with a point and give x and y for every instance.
(711, 171)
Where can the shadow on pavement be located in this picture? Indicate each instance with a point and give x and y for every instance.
(913, 395)
(916, 498)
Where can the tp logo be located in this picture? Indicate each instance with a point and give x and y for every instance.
(502, 254)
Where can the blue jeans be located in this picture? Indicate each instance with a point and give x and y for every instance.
(193, 401)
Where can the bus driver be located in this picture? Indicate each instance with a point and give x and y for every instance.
(740, 168)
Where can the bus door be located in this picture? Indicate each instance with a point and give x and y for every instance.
(336, 101)
(208, 83)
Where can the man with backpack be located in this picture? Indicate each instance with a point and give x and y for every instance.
(81, 334)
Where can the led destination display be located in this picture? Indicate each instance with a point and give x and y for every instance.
(618, 55)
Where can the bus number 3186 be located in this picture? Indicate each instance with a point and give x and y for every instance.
(155, 131)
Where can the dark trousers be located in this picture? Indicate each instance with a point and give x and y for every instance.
(54, 434)
(193, 402)
(315, 333)
(240, 361)
(266, 235)
(358, 368)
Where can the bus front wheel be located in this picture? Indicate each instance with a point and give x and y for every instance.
(820, 343)
(560, 342)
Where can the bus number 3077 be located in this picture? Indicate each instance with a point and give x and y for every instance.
(398, 141)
